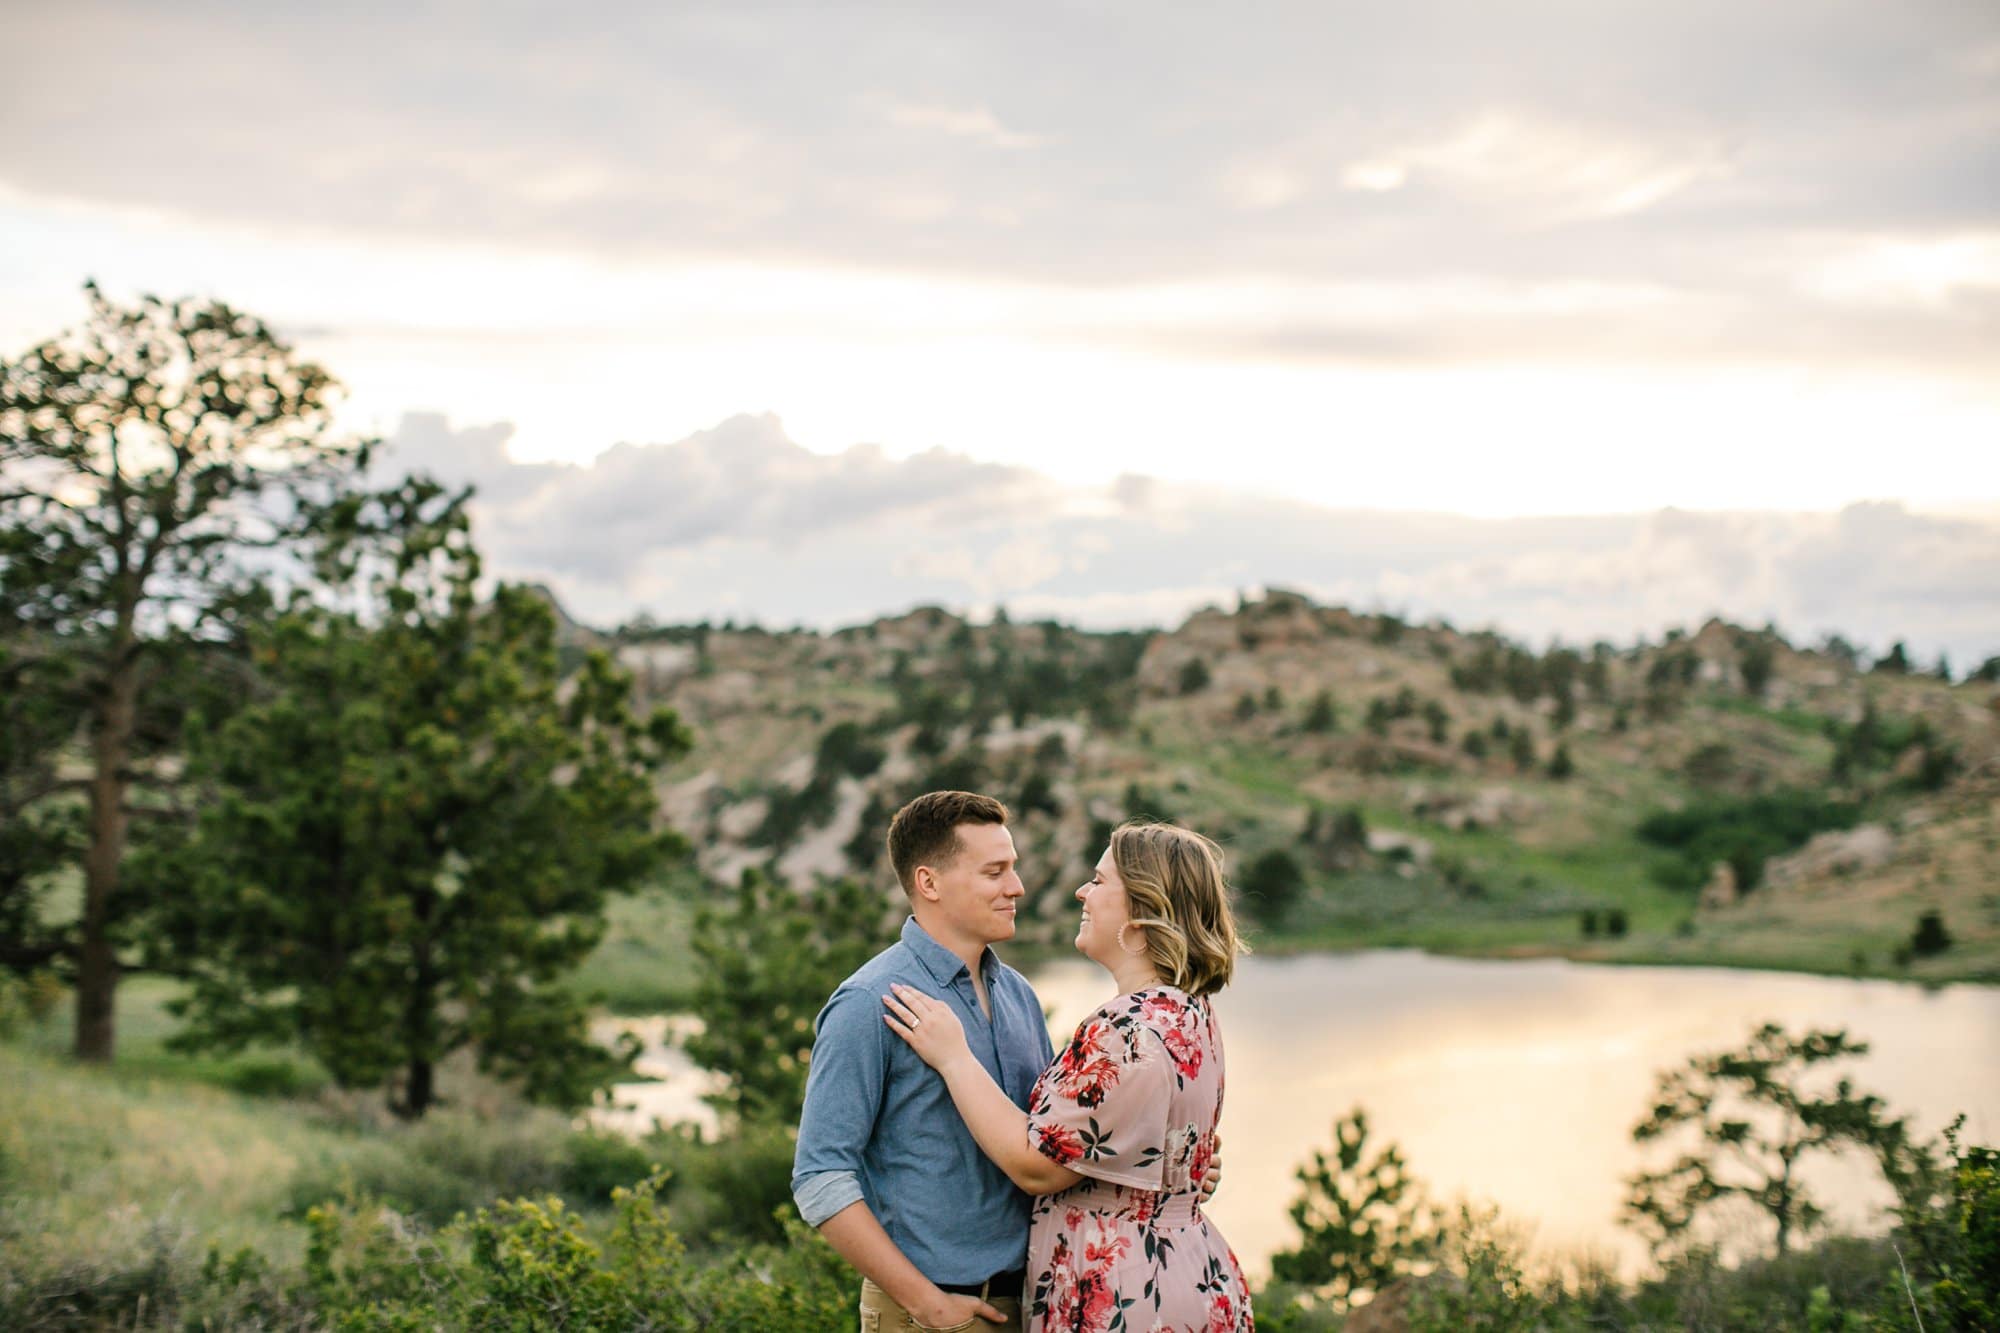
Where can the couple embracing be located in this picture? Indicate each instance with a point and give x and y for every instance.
(969, 1172)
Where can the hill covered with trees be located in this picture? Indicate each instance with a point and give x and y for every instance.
(1720, 796)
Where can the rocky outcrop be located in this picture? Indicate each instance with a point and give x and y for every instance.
(1385, 843)
(1842, 852)
(1489, 807)
(1721, 890)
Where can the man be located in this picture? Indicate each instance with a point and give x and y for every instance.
(885, 1167)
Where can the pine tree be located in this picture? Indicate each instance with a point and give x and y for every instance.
(412, 828)
(1362, 1220)
(1755, 1113)
(147, 460)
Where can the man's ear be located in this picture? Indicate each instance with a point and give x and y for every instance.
(923, 884)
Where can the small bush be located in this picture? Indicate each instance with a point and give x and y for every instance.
(1272, 884)
(732, 1192)
(532, 1265)
(452, 1162)
(1930, 937)
(1321, 715)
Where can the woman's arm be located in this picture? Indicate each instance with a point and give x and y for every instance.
(998, 1126)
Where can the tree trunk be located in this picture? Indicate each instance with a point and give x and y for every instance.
(418, 1090)
(420, 1022)
(97, 961)
(1785, 1209)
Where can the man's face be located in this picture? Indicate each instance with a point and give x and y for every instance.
(979, 890)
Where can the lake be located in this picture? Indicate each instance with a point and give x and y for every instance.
(1512, 1082)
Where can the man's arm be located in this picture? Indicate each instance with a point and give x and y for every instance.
(859, 1238)
(843, 1100)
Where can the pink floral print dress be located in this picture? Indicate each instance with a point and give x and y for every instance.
(1132, 1104)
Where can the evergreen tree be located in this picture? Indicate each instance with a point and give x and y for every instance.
(411, 829)
(1321, 715)
(1362, 1220)
(1895, 662)
(148, 461)
(769, 957)
(1561, 766)
(1438, 720)
(1521, 749)
(1754, 1117)
(1758, 659)
(1930, 936)
(1272, 884)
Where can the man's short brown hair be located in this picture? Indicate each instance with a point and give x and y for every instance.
(925, 832)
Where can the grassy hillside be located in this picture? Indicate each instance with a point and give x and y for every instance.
(1490, 798)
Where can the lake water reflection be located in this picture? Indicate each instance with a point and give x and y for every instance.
(1512, 1082)
(1518, 1082)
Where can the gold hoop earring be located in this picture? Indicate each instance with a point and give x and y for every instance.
(1121, 942)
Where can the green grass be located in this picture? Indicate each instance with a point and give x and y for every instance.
(95, 1159)
(143, 1026)
(644, 964)
(1799, 720)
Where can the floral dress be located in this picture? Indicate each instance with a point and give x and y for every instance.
(1131, 1104)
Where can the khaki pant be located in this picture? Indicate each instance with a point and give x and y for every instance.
(880, 1314)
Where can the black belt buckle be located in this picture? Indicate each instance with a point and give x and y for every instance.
(1008, 1283)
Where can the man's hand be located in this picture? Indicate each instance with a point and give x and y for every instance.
(950, 1310)
(1213, 1176)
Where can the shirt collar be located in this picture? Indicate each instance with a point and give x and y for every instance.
(944, 966)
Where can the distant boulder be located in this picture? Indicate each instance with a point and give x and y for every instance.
(1489, 807)
(1838, 852)
(1721, 890)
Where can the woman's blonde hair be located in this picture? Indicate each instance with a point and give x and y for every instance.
(1174, 888)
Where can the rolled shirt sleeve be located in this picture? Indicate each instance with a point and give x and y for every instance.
(824, 1193)
(843, 1100)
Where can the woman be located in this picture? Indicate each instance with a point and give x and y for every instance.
(1120, 1129)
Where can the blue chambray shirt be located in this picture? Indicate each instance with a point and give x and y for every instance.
(879, 1124)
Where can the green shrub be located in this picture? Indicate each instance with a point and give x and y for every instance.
(732, 1192)
(452, 1162)
(27, 1000)
(1744, 832)
(525, 1266)
(596, 1164)
(845, 750)
(1930, 936)
(271, 1076)
(1481, 1281)
(1272, 884)
(1321, 715)
(159, 1285)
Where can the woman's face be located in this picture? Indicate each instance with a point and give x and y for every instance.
(1105, 910)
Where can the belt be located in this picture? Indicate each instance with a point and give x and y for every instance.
(1000, 1284)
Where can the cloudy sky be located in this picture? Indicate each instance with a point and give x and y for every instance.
(1574, 318)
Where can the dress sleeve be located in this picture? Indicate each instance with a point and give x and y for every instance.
(1101, 1110)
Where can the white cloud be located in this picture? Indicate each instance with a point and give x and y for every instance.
(1377, 175)
(959, 122)
(739, 520)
